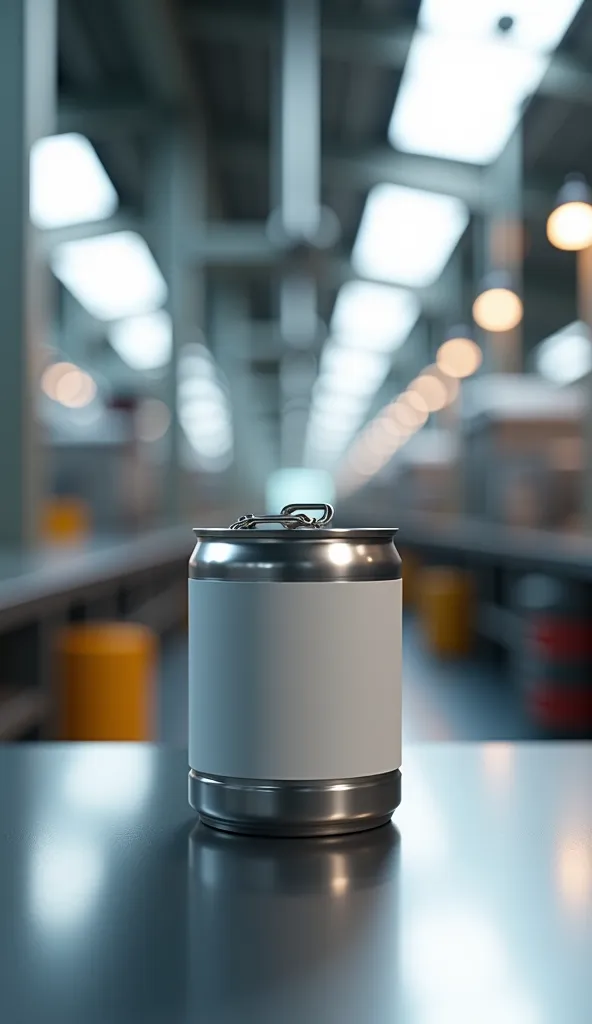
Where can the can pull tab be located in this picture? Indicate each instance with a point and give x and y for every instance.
(292, 517)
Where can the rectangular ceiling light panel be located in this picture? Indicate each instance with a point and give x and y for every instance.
(369, 322)
(112, 276)
(406, 235)
(330, 404)
(461, 99)
(373, 317)
(68, 183)
(143, 342)
(346, 371)
(465, 78)
(565, 356)
(537, 25)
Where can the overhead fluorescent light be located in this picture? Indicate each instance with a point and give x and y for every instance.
(68, 183)
(337, 425)
(348, 379)
(143, 342)
(537, 26)
(330, 430)
(406, 235)
(327, 401)
(369, 321)
(373, 316)
(329, 444)
(196, 361)
(204, 409)
(461, 99)
(112, 276)
(210, 438)
(350, 371)
(566, 356)
(207, 418)
(465, 79)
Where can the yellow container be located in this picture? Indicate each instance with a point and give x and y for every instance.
(445, 598)
(106, 680)
(65, 520)
(411, 572)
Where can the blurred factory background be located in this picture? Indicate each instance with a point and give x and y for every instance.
(255, 252)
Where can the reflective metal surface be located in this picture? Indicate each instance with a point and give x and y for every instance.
(313, 808)
(295, 555)
(475, 909)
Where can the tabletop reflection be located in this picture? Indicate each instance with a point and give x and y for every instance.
(306, 929)
(475, 909)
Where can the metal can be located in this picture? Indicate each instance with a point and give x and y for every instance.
(294, 675)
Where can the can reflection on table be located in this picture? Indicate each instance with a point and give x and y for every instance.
(286, 922)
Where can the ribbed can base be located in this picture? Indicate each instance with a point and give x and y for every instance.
(321, 807)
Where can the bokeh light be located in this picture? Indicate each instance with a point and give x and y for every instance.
(69, 385)
(432, 389)
(497, 309)
(569, 226)
(459, 357)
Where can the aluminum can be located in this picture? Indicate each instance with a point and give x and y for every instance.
(294, 675)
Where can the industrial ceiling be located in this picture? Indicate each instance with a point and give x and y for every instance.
(128, 68)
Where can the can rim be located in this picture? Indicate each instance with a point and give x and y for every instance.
(334, 533)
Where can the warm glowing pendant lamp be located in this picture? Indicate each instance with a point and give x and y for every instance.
(570, 224)
(497, 306)
(459, 355)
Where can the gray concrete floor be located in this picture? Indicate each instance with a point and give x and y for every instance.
(472, 699)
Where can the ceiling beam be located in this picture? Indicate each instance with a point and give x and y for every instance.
(365, 168)
(159, 50)
(121, 221)
(245, 248)
(365, 39)
(383, 41)
(107, 116)
(84, 70)
(232, 244)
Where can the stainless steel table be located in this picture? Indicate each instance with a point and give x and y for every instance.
(476, 909)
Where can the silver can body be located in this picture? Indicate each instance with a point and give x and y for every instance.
(295, 680)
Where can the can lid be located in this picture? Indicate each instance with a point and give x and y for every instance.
(294, 546)
(368, 533)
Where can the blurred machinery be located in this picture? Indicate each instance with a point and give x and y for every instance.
(426, 474)
(522, 451)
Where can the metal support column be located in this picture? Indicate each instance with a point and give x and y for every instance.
(584, 270)
(296, 178)
(27, 110)
(300, 126)
(254, 451)
(504, 245)
(296, 161)
(178, 205)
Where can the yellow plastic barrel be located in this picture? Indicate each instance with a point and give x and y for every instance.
(411, 571)
(445, 606)
(65, 520)
(106, 681)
